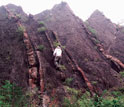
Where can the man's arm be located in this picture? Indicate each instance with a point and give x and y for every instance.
(54, 53)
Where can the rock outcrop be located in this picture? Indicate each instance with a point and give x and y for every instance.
(89, 57)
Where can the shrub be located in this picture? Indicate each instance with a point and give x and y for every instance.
(68, 81)
(103, 102)
(96, 41)
(55, 44)
(18, 16)
(66, 103)
(72, 91)
(41, 29)
(20, 30)
(93, 31)
(63, 47)
(86, 101)
(94, 82)
(95, 47)
(12, 96)
(74, 101)
(122, 73)
(41, 23)
(41, 47)
(62, 67)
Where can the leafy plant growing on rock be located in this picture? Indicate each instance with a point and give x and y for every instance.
(122, 73)
(20, 30)
(94, 82)
(41, 29)
(93, 31)
(68, 81)
(62, 67)
(55, 44)
(41, 23)
(41, 47)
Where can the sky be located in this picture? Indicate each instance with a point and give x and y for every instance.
(112, 9)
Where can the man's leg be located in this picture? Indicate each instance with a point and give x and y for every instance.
(59, 60)
(56, 61)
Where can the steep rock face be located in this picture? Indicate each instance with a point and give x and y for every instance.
(18, 12)
(117, 49)
(32, 52)
(105, 29)
(109, 34)
(72, 34)
(13, 64)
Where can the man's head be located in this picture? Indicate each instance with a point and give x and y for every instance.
(58, 47)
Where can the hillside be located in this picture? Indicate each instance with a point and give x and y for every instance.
(92, 55)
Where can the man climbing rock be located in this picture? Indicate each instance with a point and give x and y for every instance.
(57, 55)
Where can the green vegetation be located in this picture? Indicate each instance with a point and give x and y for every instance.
(96, 41)
(41, 29)
(20, 30)
(94, 82)
(62, 67)
(63, 47)
(107, 99)
(18, 16)
(122, 73)
(68, 81)
(55, 44)
(12, 96)
(93, 31)
(73, 91)
(41, 47)
(77, 100)
(95, 47)
(41, 23)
